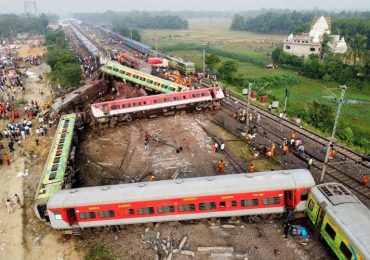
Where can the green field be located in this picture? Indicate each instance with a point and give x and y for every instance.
(215, 32)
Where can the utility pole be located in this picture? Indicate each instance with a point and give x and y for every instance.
(331, 140)
(248, 105)
(204, 61)
(286, 100)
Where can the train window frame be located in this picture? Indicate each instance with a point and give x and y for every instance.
(127, 105)
(345, 250)
(222, 204)
(165, 209)
(167, 99)
(271, 201)
(157, 101)
(146, 211)
(121, 71)
(149, 81)
(131, 212)
(249, 203)
(128, 74)
(114, 107)
(186, 207)
(106, 214)
(87, 215)
(234, 203)
(115, 69)
(135, 76)
(197, 95)
(109, 67)
(304, 196)
(330, 231)
(142, 79)
(311, 204)
(57, 215)
(207, 205)
(165, 86)
(156, 84)
(178, 98)
(136, 104)
(171, 88)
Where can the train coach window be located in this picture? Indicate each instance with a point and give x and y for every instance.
(196, 95)
(109, 67)
(186, 207)
(157, 84)
(164, 86)
(121, 71)
(234, 203)
(126, 105)
(207, 205)
(131, 211)
(172, 89)
(114, 107)
(345, 250)
(330, 231)
(145, 211)
(249, 203)
(222, 204)
(115, 69)
(177, 98)
(304, 195)
(137, 104)
(135, 76)
(156, 101)
(87, 215)
(271, 201)
(311, 204)
(168, 99)
(106, 214)
(149, 81)
(129, 74)
(166, 209)
(142, 78)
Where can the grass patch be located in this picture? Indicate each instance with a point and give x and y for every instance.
(99, 253)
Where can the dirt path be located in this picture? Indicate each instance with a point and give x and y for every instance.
(18, 239)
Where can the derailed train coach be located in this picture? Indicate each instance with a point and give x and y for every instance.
(181, 199)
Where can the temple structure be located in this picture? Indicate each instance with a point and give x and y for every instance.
(310, 43)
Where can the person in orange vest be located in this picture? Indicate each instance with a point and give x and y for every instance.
(7, 159)
(251, 168)
(268, 153)
(365, 179)
(332, 153)
(293, 135)
(152, 177)
(285, 149)
(272, 149)
(221, 166)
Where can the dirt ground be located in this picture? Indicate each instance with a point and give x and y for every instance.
(27, 50)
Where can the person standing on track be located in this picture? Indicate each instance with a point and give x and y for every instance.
(221, 166)
(222, 147)
(285, 149)
(9, 207)
(365, 179)
(272, 149)
(309, 163)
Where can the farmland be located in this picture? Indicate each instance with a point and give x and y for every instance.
(215, 33)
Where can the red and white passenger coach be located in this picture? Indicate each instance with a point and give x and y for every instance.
(200, 98)
(181, 199)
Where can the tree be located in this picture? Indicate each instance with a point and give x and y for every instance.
(321, 116)
(358, 47)
(275, 55)
(212, 61)
(238, 23)
(227, 70)
(325, 49)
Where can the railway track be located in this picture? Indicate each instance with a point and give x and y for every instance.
(333, 171)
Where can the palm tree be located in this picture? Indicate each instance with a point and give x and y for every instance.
(358, 47)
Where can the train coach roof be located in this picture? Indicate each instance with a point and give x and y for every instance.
(183, 188)
(348, 212)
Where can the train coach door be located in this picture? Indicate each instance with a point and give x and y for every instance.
(289, 198)
(71, 214)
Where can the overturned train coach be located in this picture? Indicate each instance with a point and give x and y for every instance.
(166, 104)
(182, 199)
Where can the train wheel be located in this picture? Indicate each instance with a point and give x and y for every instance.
(198, 108)
(128, 118)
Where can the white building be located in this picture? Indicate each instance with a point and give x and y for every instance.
(310, 43)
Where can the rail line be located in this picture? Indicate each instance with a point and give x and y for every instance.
(332, 171)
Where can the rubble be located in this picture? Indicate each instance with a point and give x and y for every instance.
(187, 252)
(182, 243)
(224, 249)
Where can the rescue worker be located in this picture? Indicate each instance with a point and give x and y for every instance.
(332, 154)
(365, 179)
(9, 207)
(214, 148)
(293, 135)
(152, 177)
(7, 159)
(309, 163)
(251, 168)
(221, 166)
(272, 149)
(285, 149)
(268, 153)
(222, 147)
